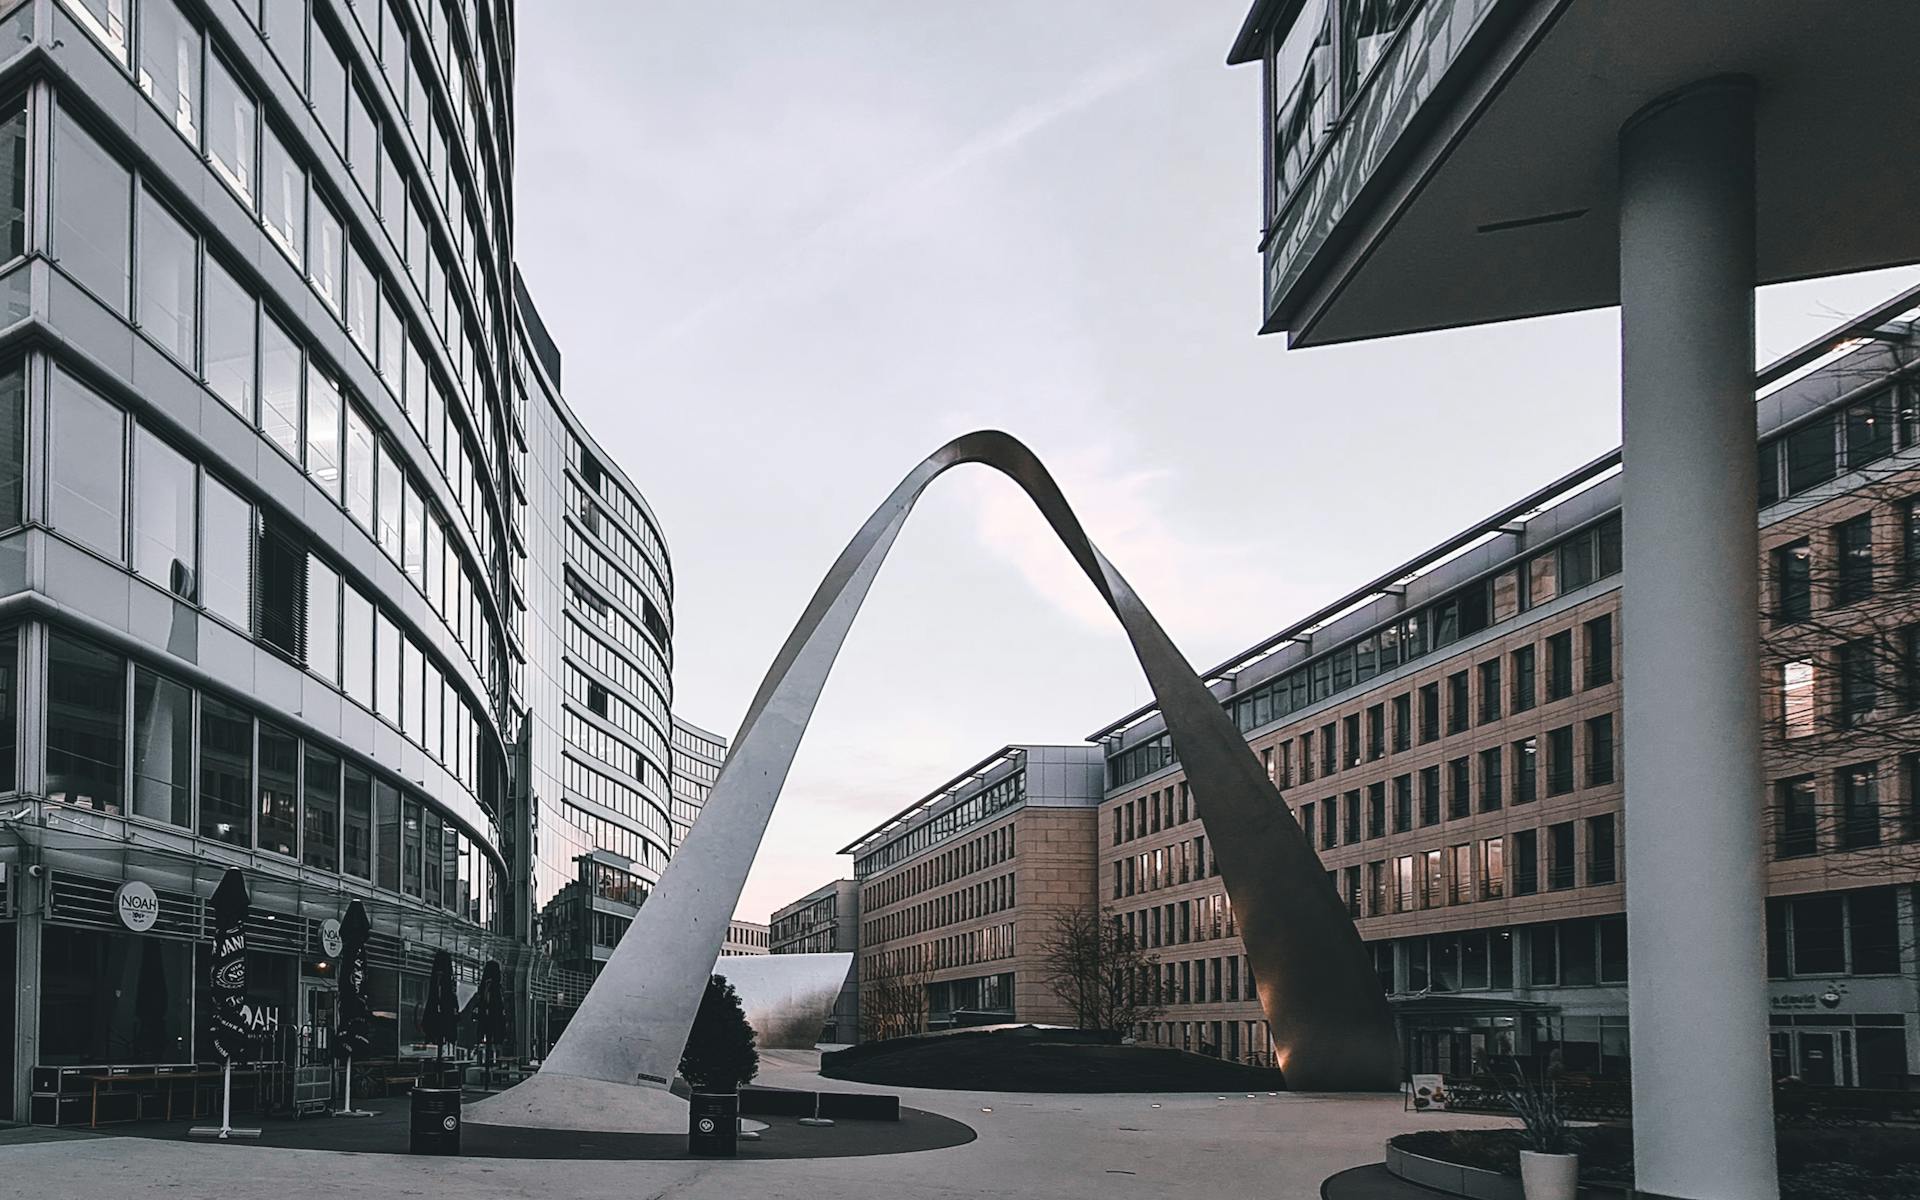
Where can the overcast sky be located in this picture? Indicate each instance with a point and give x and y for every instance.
(788, 249)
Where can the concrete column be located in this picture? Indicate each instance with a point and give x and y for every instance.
(1702, 1092)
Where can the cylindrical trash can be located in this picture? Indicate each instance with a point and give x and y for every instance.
(713, 1124)
(436, 1121)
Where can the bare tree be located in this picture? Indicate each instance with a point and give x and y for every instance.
(893, 1002)
(1102, 973)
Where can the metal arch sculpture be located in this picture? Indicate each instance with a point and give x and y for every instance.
(1322, 998)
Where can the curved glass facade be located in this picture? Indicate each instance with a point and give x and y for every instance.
(264, 518)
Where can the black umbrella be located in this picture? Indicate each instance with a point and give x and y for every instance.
(355, 1032)
(439, 1017)
(231, 1037)
(487, 1012)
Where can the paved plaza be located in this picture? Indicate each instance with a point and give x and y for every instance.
(1028, 1145)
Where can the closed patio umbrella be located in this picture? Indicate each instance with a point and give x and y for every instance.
(231, 1036)
(355, 1032)
(439, 1017)
(488, 1013)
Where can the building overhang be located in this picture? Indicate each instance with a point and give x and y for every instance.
(1473, 178)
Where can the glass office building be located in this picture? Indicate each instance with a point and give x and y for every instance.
(268, 487)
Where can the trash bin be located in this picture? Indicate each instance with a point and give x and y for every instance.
(713, 1124)
(436, 1121)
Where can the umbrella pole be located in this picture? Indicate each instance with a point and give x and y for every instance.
(226, 1099)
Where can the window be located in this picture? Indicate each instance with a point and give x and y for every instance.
(86, 724)
(1350, 809)
(1769, 473)
(1873, 932)
(1599, 640)
(1490, 691)
(1376, 732)
(229, 339)
(226, 772)
(326, 254)
(283, 199)
(13, 445)
(86, 481)
(1329, 750)
(1819, 934)
(386, 668)
(1560, 760)
(280, 379)
(1429, 712)
(1797, 698)
(1376, 810)
(1859, 679)
(1402, 722)
(1560, 855)
(1859, 788)
(231, 120)
(388, 501)
(1402, 803)
(164, 524)
(162, 749)
(386, 838)
(323, 620)
(281, 588)
(410, 834)
(1796, 822)
(1460, 868)
(1351, 731)
(357, 645)
(92, 214)
(1459, 788)
(363, 143)
(1523, 688)
(362, 293)
(1600, 750)
(170, 64)
(1793, 582)
(327, 86)
(169, 259)
(320, 820)
(1560, 665)
(284, 22)
(1810, 457)
(1457, 702)
(1430, 796)
(393, 345)
(279, 806)
(1526, 864)
(360, 468)
(1601, 867)
(1490, 792)
(1493, 868)
(1853, 560)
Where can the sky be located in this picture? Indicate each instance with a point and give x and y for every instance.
(787, 250)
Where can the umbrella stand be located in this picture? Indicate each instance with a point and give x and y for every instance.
(346, 1108)
(225, 1129)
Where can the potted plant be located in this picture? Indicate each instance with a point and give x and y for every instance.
(1549, 1165)
(720, 1056)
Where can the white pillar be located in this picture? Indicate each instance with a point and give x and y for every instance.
(1702, 1092)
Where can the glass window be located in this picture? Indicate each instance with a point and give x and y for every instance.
(1819, 941)
(320, 814)
(229, 346)
(363, 142)
(386, 823)
(1793, 581)
(14, 150)
(162, 749)
(324, 254)
(92, 214)
(393, 198)
(1797, 822)
(168, 259)
(361, 293)
(170, 64)
(393, 345)
(284, 22)
(414, 557)
(279, 807)
(164, 526)
(1853, 560)
(280, 574)
(323, 430)
(280, 374)
(283, 201)
(412, 712)
(106, 20)
(226, 579)
(323, 619)
(410, 828)
(356, 840)
(226, 772)
(389, 501)
(356, 641)
(360, 468)
(231, 120)
(328, 87)
(1810, 457)
(386, 667)
(86, 485)
(86, 723)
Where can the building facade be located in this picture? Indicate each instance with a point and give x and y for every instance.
(284, 473)
(1449, 739)
(959, 891)
(697, 758)
(745, 937)
(824, 921)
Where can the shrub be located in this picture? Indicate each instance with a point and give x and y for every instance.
(720, 1053)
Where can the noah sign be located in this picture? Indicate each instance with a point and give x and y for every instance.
(138, 907)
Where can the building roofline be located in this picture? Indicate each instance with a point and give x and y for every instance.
(1246, 43)
(899, 821)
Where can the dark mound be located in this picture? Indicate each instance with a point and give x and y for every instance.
(1030, 1060)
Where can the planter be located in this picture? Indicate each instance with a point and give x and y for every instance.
(1550, 1176)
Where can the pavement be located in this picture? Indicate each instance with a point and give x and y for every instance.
(1029, 1145)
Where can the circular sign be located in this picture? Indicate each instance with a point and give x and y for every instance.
(138, 907)
(706, 1125)
(449, 1123)
(330, 937)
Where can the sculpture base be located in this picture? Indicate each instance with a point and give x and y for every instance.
(553, 1101)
